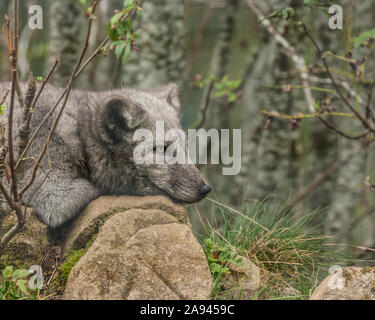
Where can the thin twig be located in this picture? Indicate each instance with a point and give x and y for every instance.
(40, 185)
(342, 133)
(57, 119)
(5, 95)
(32, 108)
(343, 84)
(335, 85)
(13, 59)
(12, 197)
(290, 51)
(81, 69)
(207, 100)
(20, 97)
(24, 130)
(44, 82)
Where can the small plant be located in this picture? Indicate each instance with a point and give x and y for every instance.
(13, 285)
(219, 256)
(122, 33)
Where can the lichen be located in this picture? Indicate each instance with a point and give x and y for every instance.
(366, 297)
(367, 270)
(347, 275)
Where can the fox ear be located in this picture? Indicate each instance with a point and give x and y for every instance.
(121, 115)
(169, 93)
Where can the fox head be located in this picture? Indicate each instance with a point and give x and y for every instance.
(126, 112)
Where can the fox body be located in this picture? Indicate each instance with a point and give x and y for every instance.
(91, 152)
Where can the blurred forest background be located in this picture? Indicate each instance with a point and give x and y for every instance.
(189, 41)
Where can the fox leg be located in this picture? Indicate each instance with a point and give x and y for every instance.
(59, 198)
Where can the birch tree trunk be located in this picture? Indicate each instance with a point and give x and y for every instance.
(323, 142)
(67, 29)
(267, 158)
(349, 195)
(105, 72)
(217, 116)
(160, 58)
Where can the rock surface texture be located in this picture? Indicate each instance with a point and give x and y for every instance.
(351, 283)
(243, 281)
(144, 249)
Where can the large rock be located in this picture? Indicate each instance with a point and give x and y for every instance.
(27, 247)
(350, 283)
(89, 221)
(142, 254)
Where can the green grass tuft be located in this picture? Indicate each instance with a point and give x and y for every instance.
(289, 249)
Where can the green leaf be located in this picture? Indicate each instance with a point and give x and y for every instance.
(83, 1)
(20, 273)
(7, 272)
(232, 97)
(215, 268)
(128, 3)
(317, 106)
(3, 108)
(369, 34)
(288, 13)
(126, 54)
(119, 48)
(22, 285)
(112, 33)
(220, 93)
(116, 18)
(225, 270)
(137, 34)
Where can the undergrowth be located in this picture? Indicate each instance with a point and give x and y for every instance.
(289, 249)
(13, 285)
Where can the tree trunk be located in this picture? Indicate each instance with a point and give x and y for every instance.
(348, 199)
(160, 58)
(67, 30)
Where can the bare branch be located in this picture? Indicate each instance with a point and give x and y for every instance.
(45, 81)
(68, 90)
(3, 150)
(204, 110)
(290, 51)
(5, 95)
(81, 69)
(342, 133)
(343, 84)
(24, 130)
(20, 97)
(335, 85)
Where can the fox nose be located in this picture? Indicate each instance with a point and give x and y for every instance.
(206, 189)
